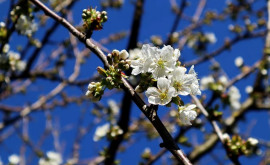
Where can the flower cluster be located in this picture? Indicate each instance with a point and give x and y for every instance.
(95, 91)
(172, 79)
(11, 60)
(238, 146)
(93, 19)
(209, 82)
(163, 67)
(111, 131)
(234, 98)
(26, 26)
(53, 158)
(112, 76)
(24, 19)
(162, 77)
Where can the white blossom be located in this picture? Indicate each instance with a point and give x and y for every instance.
(144, 59)
(14, 159)
(20, 65)
(181, 81)
(163, 61)
(53, 158)
(6, 48)
(101, 131)
(234, 98)
(1, 163)
(192, 42)
(2, 24)
(211, 37)
(14, 58)
(123, 55)
(206, 81)
(187, 114)
(113, 106)
(26, 26)
(134, 54)
(239, 61)
(249, 89)
(161, 95)
(253, 141)
(264, 72)
(225, 136)
(116, 130)
(223, 80)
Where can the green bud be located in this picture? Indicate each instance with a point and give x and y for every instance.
(102, 71)
(84, 16)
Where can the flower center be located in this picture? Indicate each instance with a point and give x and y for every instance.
(161, 63)
(163, 96)
(177, 86)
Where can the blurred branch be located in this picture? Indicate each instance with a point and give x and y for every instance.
(212, 140)
(217, 130)
(226, 46)
(177, 20)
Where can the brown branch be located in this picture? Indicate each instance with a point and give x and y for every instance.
(168, 141)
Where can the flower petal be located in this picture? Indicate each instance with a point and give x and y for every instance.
(163, 84)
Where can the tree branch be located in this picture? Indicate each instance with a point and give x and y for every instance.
(168, 141)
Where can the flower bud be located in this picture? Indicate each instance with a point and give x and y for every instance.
(109, 58)
(115, 52)
(123, 55)
(91, 86)
(89, 94)
(84, 16)
(102, 71)
(126, 67)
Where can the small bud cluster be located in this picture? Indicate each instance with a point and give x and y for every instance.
(111, 76)
(237, 146)
(93, 19)
(118, 59)
(95, 91)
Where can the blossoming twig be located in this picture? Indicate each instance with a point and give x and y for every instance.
(168, 140)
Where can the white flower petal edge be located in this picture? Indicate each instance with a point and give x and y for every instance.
(163, 62)
(161, 95)
(187, 114)
(181, 81)
(194, 87)
(101, 131)
(143, 60)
